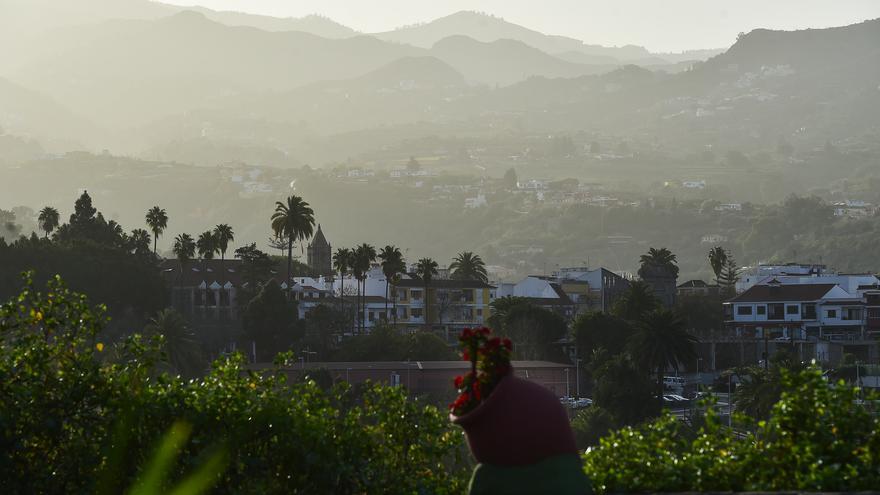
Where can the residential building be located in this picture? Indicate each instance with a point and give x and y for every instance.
(693, 288)
(815, 320)
(453, 304)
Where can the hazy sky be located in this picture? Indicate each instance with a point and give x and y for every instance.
(660, 25)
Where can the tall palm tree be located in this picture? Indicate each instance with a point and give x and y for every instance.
(341, 259)
(658, 260)
(184, 249)
(223, 235)
(662, 342)
(392, 265)
(364, 256)
(157, 221)
(207, 245)
(469, 266)
(717, 260)
(181, 347)
(294, 220)
(426, 269)
(49, 220)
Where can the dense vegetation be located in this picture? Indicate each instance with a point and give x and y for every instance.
(64, 396)
(819, 437)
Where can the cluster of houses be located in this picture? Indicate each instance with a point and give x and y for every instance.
(811, 311)
(208, 290)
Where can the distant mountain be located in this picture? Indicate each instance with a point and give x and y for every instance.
(488, 28)
(506, 61)
(133, 71)
(312, 24)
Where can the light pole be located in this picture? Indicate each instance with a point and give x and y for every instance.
(577, 376)
(729, 401)
(567, 392)
(347, 380)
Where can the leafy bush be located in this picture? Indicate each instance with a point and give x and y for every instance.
(819, 437)
(65, 397)
(591, 424)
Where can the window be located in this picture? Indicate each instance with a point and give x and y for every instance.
(775, 311)
(873, 312)
(761, 309)
(200, 297)
(831, 313)
(416, 295)
(224, 298)
(479, 312)
(416, 312)
(212, 298)
(809, 312)
(792, 309)
(852, 314)
(467, 296)
(744, 310)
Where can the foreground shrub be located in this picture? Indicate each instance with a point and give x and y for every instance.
(76, 417)
(819, 437)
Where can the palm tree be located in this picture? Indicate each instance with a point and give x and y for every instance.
(140, 241)
(661, 342)
(364, 256)
(223, 235)
(658, 260)
(426, 269)
(207, 245)
(182, 350)
(392, 265)
(341, 259)
(717, 260)
(49, 220)
(636, 302)
(157, 221)
(469, 266)
(185, 249)
(294, 220)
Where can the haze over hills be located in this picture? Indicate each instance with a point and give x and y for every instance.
(488, 28)
(150, 80)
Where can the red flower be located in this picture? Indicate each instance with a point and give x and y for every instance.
(459, 380)
(507, 343)
(477, 394)
(465, 355)
(484, 331)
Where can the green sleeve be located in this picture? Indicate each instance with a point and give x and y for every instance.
(560, 475)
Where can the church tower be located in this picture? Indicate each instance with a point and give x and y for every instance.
(320, 255)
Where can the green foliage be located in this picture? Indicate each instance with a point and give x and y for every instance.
(104, 272)
(817, 438)
(591, 424)
(533, 329)
(597, 330)
(65, 398)
(623, 390)
(270, 320)
(384, 343)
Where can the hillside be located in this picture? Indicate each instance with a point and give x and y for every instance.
(28, 113)
(505, 61)
(186, 61)
(312, 24)
(488, 28)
